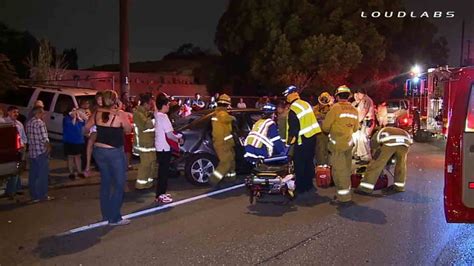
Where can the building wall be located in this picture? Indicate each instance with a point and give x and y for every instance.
(170, 83)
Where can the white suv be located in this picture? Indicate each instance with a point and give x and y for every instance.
(56, 99)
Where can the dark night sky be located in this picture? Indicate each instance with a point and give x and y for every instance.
(160, 26)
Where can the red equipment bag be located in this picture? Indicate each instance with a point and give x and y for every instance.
(382, 182)
(174, 146)
(323, 176)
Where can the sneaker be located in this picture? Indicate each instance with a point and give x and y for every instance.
(121, 222)
(81, 175)
(164, 198)
(72, 176)
(33, 201)
(87, 173)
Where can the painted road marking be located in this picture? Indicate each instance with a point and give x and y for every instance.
(151, 210)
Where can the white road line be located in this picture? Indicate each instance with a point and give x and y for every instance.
(151, 210)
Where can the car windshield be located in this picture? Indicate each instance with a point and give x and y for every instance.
(393, 105)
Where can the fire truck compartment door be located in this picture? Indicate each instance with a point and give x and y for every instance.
(468, 170)
(468, 154)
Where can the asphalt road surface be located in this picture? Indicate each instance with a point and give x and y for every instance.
(402, 229)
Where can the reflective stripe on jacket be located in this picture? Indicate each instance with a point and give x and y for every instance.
(391, 136)
(222, 127)
(144, 129)
(340, 123)
(308, 124)
(264, 134)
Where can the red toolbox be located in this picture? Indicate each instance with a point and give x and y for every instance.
(323, 176)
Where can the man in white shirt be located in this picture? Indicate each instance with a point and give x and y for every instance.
(163, 130)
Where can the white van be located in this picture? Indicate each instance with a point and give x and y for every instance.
(56, 100)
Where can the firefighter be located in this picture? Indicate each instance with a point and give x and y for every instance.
(223, 141)
(302, 130)
(325, 101)
(145, 142)
(366, 115)
(264, 141)
(387, 142)
(340, 123)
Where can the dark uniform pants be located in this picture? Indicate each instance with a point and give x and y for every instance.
(341, 165)
(304, 164)
(375, 168)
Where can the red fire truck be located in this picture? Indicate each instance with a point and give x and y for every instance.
(442, 102)
(459, 156)
(427, 94)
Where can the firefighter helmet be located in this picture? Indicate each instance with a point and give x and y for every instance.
(325, 98)
(224, 99)
(268, 108)
(343, 89)
(289, 90)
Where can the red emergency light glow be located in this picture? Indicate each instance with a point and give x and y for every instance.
(471, 185)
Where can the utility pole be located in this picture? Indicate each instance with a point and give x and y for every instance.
(124, 64)
(468, 60)
(461, 61)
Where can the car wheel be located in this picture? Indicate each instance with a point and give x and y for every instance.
(199, 167)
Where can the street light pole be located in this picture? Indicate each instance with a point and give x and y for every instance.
(124, 64)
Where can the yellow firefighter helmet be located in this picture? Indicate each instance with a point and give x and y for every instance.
(325, 98)
(224, 99)
(343, 89)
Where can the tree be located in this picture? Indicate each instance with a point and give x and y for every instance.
(17, 45)
(70, 58)
(8, 76)
(46, 66)
(317, 43)
(186, 51)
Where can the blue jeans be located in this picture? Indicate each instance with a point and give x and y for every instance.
(13, 185)
(112, 167)
(38, 177)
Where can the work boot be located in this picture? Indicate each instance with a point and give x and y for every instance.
(231, 177)
(391, 190)
(362, 192)
(341, 204)
(214, 181)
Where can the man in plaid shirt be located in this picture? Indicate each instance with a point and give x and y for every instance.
(39, 149)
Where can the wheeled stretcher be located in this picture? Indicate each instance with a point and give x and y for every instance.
(274, 175)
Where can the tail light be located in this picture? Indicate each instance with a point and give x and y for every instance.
(18, 142)
(471, 185)
(404, 121)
